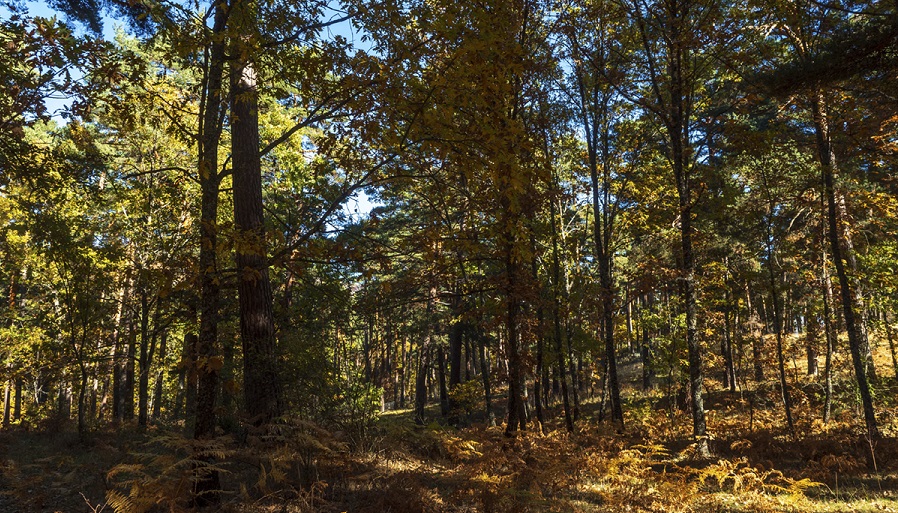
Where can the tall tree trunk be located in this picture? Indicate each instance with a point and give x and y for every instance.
(540, 339)
(556, 316)
(890, 336)
(7, 396)
(207, 361)
(424, 357)
(130, 377)
(648, 371)
(728, 356)
(441, 377)
(538, 392)
(853, 325)
(421, 385)
(160, 376)
(687, 270)
(811, 348)
(456, 344)
(261, 384)
(402, 373)
(778, 313)
(595, 113)
(366, 349)
(118, 410)
(516, 413)
(830, 335)
(147, 348)
(756, 338)
(82, 398)
(778, 329)
(485, 375)
(17, 400)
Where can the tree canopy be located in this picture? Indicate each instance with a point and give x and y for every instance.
(264, 220)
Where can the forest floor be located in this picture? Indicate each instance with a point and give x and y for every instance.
(396, 466)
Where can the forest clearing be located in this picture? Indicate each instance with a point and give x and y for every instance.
(428, 255)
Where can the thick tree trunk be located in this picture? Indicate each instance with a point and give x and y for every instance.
(421, 385)
(540, 368)
(853, 325)
(425, 354)
(118, 411)
(143, 363)
(261, 384)
(516, 419)
(470, 356)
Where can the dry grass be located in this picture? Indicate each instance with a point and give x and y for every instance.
(399, 467)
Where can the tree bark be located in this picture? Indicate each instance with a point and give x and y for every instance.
(556, 318)
(778, 329)
(402, 373)
(160, 376)
(207, 486)
(485, 376)
(261, 384)
(853, 325)
(811, 349)
(441, 377)
(890, 336)
(830, 340)
(728, 356)
(756, 339)
(7, 396)
(421, 385)
(17, 400)
(673, 86)
(456, 343)
(130, 376)
(147, 348)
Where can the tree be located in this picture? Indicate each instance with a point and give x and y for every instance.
(672, 38)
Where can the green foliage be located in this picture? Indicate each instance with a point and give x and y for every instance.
(466, 397)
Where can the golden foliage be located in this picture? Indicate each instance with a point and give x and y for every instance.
(166, 473)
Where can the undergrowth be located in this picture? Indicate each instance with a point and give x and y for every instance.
(299, 466)
(392, 465)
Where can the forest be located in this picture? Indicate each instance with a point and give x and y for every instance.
(440, 256)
